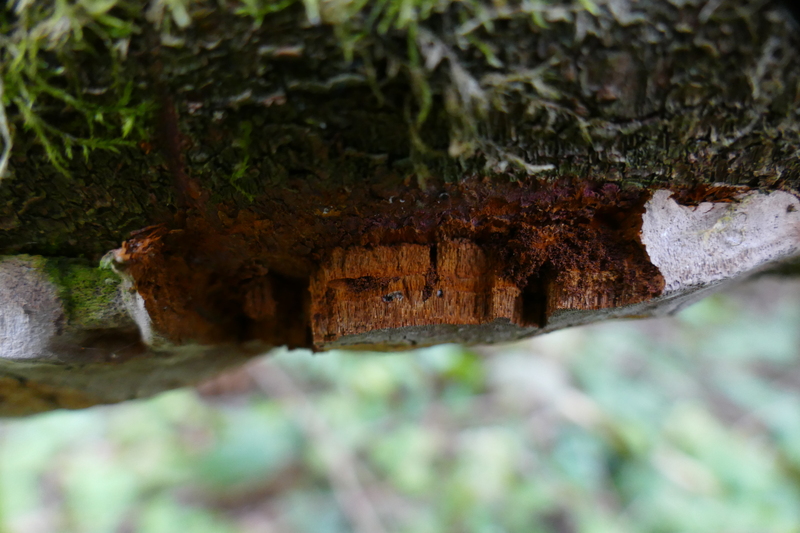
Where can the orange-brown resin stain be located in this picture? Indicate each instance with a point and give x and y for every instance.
(305, 267)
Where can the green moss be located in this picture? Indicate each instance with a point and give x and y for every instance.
(48, 45)
(39, 76)
(90, 295)
(576, 106)
(242, 143)
(259, 9)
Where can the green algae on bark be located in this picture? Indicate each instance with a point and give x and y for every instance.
(89, 296)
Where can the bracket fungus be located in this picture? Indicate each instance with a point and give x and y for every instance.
(373, 177)
(74, 336)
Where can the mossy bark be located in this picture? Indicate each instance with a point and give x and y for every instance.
(243, 144)
(652, 93)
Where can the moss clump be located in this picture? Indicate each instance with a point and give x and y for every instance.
(48, 47)
(42, 45)
(90, 296)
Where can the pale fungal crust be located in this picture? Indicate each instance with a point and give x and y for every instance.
(133, 302)
(699, 246)
(30, 310)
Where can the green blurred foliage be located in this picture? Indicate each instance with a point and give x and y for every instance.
(685, 424)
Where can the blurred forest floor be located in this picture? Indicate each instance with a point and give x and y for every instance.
(687, 424)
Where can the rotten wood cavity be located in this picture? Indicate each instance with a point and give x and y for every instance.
(448, 283)
(499, 262)
(470, 254)
(362, 289)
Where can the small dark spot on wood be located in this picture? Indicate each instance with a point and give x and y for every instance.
(791, 208)
(365, 284)
(432, 276)
(392, 296)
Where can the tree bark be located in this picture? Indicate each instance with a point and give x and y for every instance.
(327, 175)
